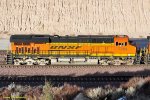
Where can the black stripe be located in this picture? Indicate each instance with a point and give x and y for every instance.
(62, 39)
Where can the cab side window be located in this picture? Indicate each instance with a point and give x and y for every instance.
(121, 44)
(125, 43)
(116, 43)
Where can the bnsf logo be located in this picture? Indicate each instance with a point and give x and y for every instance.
(65, 47)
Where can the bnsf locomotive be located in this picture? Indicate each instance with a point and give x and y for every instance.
(81, 49)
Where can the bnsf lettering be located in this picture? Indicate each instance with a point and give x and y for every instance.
(53, 47)
(65, 47)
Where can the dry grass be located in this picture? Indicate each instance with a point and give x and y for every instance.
(136, 88)
(100, 93)
(132, 82)
(67, 92)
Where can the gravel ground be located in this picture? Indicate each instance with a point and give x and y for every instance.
(74, 70)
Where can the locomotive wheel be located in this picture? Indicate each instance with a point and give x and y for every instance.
(42, 62)
(103, 62)
(29, 62)
(129, 62)
(18, 62)
(117, 62)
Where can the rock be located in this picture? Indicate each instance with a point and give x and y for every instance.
(122, 98)
(142, 92)
(11, 86)
(130, 91)
(144, 89)
(74, 17)
(81, 96)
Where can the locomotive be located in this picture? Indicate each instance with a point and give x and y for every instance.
(74, 50)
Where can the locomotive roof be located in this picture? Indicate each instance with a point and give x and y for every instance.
(95, 35)
(83, 39)
(63, 39)
(29, 38)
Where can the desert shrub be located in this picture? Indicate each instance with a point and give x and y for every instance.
(66, 92)
(132, 82)
(47, 91)
(100, 93)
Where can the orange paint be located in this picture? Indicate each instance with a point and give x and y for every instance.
(119, 47)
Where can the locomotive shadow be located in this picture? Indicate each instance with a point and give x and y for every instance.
(141, 73)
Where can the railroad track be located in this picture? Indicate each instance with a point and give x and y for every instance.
(86, 81)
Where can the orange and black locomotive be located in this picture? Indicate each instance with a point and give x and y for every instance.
(81, 49)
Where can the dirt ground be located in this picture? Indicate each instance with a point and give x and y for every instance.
(75, 70)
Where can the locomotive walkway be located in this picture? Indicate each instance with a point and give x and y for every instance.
(75, 70)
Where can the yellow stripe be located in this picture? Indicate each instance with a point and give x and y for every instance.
(124, 54)
(96, 55)
(108, 54)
